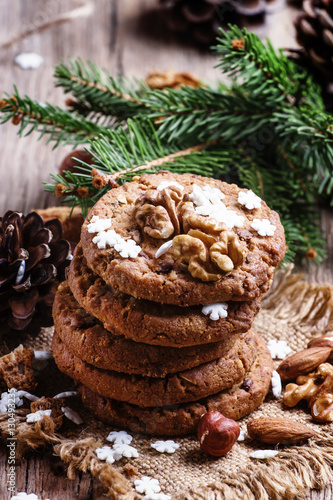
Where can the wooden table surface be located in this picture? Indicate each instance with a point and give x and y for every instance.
(126, 37)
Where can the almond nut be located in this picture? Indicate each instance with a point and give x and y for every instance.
(303, 362)
(273, 430)
(322, 341)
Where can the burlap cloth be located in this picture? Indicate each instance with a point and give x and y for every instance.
(293, 310)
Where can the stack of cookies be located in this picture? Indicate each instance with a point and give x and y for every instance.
(154, 320)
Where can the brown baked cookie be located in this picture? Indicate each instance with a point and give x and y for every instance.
(215, 250)
(150, 322)
(179, 420)
(86, 337)
(188, 385)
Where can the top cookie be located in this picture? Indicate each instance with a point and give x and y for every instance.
(184, 240)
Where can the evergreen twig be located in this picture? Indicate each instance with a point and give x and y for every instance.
(267, 131)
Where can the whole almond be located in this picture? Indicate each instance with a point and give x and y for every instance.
(274, 430)
(322, 341)
(303, 362)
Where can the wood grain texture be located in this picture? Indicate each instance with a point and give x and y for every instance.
(126, 37)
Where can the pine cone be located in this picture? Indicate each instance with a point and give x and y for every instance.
(315, 34)
(33, 258)
(202, 18)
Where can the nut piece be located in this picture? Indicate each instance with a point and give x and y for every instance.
(155, 221)
(322, 341)
(53, 404)
(322, 408)
(16, 369)
(303, 362)
(278, 430)
(217, 434)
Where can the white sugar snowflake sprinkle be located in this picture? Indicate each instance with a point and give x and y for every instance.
(249, 199)
(208, 203)
(66, 394)
(276, 384)
(242, 436)
(107, 238)
(279, 349)
(119, 437)
(128, 248)
(116, 453)
(72, 415)
(97, 224)
(163, 248)
(29, 60)
(263, 454)
(165, 184)
(10, 399)
(22, 495)
(147, 485)
(263, 227)
(168, 446)
(158, 496)
(106, 453)
(216, 311)
(37, 416)
(125, 450)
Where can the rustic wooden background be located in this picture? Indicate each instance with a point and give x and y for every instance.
(126, 37)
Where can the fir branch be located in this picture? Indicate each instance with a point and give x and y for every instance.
(59, 125)
(97, 90)
(267, 131)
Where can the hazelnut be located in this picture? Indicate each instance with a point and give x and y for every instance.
(217, 434)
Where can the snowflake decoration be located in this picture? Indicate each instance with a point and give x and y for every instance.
(116, 453)
(97, 225)
(147, 485)
(72, 415)
(29, 60)
(165, 184)
(163, 248)
(208, 203)
(127, 248)
(168, 446)
(37, 416)
(263, 227)
(119, 437)
(11, 398)
(158, 496)
(22, 495)
(104, 238)
(276, 384)
(125, 450)
(279, 349)
(263, 454)
(249, 199)
(106, 453)
(216, 311)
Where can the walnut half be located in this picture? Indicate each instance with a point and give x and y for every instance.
(209, 257)
(156, 212)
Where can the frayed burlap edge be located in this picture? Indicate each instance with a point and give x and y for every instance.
(288, 476)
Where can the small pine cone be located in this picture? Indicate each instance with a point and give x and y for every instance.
(33, 258)
(315, 34)
(201, 19)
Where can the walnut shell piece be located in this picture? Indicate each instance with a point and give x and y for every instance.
(16, 369)
(54, 404)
